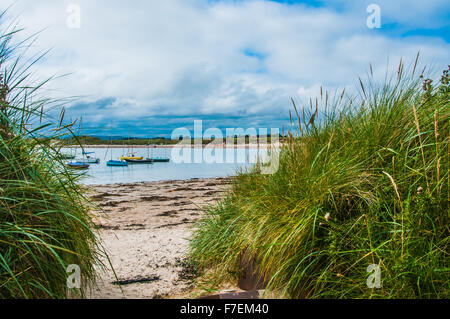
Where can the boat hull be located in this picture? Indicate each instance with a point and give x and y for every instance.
(89, 161)
(143, 161)
(77, 165)
(117, 163)
(124, 158)
(66, 157)
(160, 160)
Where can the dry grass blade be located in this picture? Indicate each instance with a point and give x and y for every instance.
(303, 223)
(45, 222)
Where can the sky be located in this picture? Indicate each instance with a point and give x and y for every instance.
(150, 66)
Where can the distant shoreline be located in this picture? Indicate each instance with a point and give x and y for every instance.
(173, 146)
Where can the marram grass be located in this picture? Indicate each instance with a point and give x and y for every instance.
(44, 217)
(363, 182)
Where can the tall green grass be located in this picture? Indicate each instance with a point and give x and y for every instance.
(44, 216)
(363, 180)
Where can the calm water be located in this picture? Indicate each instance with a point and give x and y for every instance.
(102, 174)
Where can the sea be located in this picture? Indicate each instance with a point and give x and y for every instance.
(184, 164)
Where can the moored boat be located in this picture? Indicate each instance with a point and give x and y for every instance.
(77, 165)
(124, 158)
(140, 161)
(66, 156)
(160, 160)
(88, 160)
(157, 159)
(116, 163)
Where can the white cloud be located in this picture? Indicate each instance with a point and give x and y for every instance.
(187, 57)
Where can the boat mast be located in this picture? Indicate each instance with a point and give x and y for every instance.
(81, 139)
(129, 146)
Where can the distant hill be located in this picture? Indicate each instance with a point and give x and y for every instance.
(120, 140)
(117, 140)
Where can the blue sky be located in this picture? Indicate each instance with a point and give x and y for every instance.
(153, 66)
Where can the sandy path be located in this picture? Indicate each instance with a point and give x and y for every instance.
(144, 229)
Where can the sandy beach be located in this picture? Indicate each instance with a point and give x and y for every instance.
(145, 229)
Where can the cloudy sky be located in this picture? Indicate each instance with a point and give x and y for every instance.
(153, 65)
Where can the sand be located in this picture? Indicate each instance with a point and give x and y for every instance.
(145, 229)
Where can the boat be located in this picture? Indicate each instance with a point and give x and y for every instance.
(77, 165)
(112, 162)
(89, 160)
(140, 161)
(66, 156)
(157, 159)
(86, 156)
(116, 163)
(132, 157)
(160, 160)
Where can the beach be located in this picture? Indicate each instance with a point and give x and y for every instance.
(144, 228)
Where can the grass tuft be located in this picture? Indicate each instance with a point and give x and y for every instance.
(45, 224)
(363, 182)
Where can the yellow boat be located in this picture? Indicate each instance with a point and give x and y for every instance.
(124, 158)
